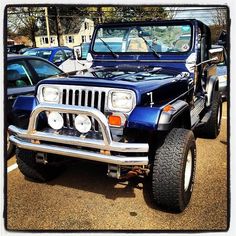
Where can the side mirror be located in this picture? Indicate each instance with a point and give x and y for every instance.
(78, 52)
(216, 55)
(72, 57)
(58, 62)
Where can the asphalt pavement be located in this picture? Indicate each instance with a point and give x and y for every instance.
(84, 198)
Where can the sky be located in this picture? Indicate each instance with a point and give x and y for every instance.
(204, 14)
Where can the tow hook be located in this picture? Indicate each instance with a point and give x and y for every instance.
(134, 172)
(41, 158)
(127, 172)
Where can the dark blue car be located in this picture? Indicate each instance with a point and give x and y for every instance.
(22, 74)
(56, 55)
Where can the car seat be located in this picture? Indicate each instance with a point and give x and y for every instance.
(137, 45)
(14, 79)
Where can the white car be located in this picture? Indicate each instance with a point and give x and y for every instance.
(73, 64)
(78, 61)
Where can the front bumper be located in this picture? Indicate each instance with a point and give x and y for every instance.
(74, 146)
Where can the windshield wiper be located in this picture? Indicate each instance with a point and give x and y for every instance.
(109, 48)
(150, 46)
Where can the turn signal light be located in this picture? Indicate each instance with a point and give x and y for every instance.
(167, 108)
(114, 120)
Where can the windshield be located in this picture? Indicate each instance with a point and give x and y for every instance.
(153, 38)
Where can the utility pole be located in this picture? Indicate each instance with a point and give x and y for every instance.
(47, 26)
(60, 39)
(99, 11)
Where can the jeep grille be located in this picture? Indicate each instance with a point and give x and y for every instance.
(83, 96)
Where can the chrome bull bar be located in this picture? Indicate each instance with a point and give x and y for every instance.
(30, 139)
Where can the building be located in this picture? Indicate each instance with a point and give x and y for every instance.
(19, 40)
(70, 40)
(10, 42)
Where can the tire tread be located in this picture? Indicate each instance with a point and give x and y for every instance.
(168, 170)
(31, 169)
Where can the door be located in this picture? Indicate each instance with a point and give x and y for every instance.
(19, 82)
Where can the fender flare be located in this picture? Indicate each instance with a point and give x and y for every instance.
(22, 109)
(156, 119)
(24, 104)
(212, 85)
(144, 118)
(179, 110)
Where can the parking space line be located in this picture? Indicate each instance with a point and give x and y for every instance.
(12, 167)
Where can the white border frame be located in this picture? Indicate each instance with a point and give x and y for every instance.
(231, 4)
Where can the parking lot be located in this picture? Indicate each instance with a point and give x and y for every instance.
(84, 198)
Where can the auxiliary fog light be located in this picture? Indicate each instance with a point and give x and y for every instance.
(55, 120)
(83, 123)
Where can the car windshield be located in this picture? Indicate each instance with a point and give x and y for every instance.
(44, 69)
(158, 38)
(40, 53)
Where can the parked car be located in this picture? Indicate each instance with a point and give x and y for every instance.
(223, 38)
(223, 80)
(23, 50)
(137, 109)
(83, 48)
(222, 73)
(78, 61)
(15, 48)
(22, 74)
(56, 55)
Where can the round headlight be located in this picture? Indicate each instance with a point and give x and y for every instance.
(55, 120)
(50, 94)
(82, 123)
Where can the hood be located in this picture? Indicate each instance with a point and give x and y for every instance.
(141, 82)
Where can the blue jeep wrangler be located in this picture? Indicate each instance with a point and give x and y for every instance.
(151, 89)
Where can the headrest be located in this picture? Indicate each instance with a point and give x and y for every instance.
(137, 45)
(13, 75)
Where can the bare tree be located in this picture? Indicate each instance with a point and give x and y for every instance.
(219, 16)
(171, 12)
(23, 21)
(59, 28)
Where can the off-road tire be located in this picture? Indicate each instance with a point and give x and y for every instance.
(10, 147)
(212, 128)
(168, 172)
(33, 170)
